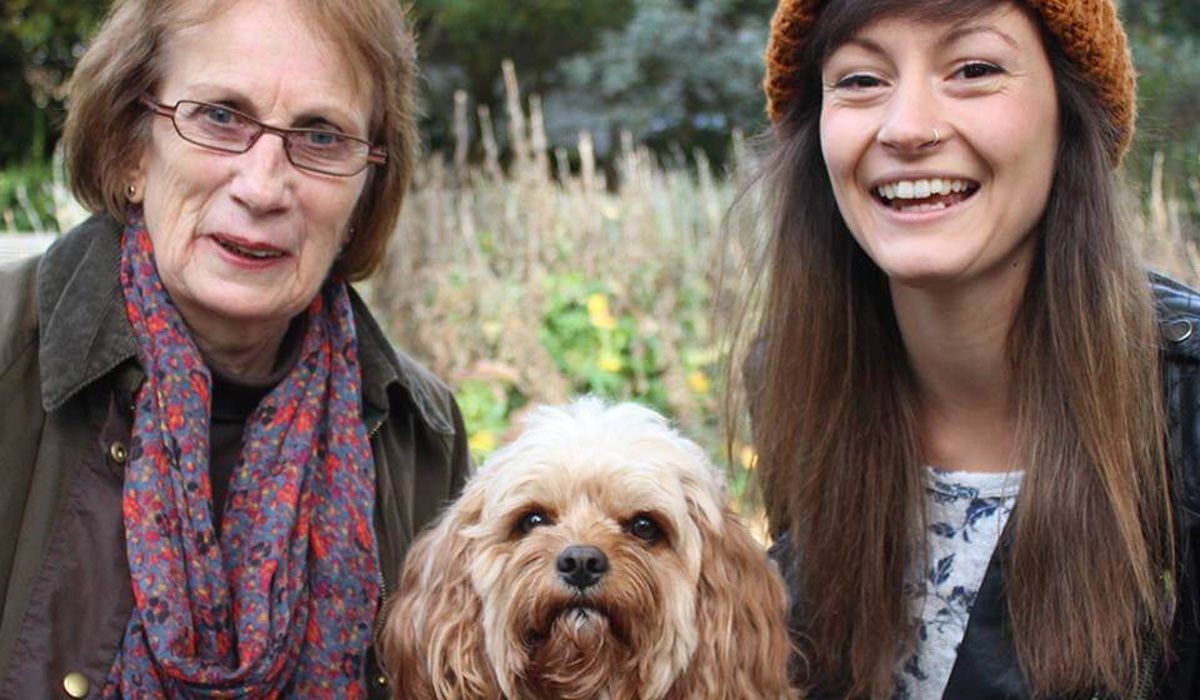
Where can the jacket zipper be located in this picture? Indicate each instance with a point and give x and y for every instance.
(383, 588)
(1149, 669)
(376, 428)
(381, 613)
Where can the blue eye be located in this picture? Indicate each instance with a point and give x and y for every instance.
(218, 115)
(323, 138)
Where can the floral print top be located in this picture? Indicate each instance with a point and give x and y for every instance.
(965, 512)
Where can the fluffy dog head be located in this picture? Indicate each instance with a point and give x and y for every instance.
(594, 557)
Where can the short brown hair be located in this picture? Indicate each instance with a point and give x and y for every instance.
(107, 125)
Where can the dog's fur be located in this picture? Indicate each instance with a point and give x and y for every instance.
(483, 613)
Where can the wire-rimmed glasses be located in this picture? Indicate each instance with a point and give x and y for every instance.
(227, 130)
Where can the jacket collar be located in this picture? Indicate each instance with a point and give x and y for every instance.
(85, 334)
(83, 331)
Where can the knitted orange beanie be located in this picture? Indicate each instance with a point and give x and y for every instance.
(1089, 31)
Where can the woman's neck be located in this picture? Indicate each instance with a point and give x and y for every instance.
(244, 352)
(957, 345)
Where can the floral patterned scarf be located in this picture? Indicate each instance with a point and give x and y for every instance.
(283, 604)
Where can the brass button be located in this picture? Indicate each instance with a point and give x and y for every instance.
(118, 452)
(76, 684)
(1178, 330)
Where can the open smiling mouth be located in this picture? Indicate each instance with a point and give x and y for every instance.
(933, 194)
(248, 251)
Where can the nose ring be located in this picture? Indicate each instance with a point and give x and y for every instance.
(937, 138)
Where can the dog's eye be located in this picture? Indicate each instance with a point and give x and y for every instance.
(531, 520)
(644, 528)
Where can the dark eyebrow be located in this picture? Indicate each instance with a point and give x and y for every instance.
(956, 33)
(223, 96)
(964, 30)
(316, 120)
(861, 42)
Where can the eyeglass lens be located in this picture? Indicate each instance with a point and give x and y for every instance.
(224, 129)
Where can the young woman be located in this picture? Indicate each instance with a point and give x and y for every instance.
(976, 415)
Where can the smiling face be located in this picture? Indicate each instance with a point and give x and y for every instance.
(248, 237)
(955, 205)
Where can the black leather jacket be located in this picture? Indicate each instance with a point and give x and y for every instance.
(986, 667)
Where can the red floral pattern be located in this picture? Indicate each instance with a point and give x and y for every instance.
(282, 605)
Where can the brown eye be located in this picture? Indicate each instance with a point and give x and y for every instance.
(531, 520)
(644, 528)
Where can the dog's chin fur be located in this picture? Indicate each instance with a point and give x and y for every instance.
(576, 659)
(482, 612)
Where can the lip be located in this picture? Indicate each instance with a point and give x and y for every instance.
(914, 216)
(216, 239)
(920, 217)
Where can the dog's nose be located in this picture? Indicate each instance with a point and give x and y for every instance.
(582, 565)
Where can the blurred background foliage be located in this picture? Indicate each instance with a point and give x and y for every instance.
(576, 235)
(676, 74)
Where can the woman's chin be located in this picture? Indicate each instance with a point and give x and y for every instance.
(924, 274)
(241, 309)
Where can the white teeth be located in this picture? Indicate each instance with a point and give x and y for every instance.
(920, 189)
(924, 206)
(250, 253)
(260, 254)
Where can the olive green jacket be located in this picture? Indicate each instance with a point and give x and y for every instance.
(68, 375)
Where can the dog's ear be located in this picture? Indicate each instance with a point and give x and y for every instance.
(432, 643)
(741, 617)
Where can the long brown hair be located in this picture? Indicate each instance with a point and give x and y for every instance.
(836, 415)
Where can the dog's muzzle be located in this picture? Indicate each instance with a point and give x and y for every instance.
(582, 566)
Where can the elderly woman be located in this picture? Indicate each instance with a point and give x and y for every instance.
(213, 459)
(976, 418)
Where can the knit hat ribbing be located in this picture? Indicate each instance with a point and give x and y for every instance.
(1089, 32)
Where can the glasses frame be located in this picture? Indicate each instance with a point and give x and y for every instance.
(375, 155)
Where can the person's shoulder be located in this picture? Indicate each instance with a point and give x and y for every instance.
(18, 310)
(431, 394)
(386, 367)
(29, 284)
(92, 244)
(1178, 307)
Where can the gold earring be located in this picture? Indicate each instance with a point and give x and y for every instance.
(130, 190)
